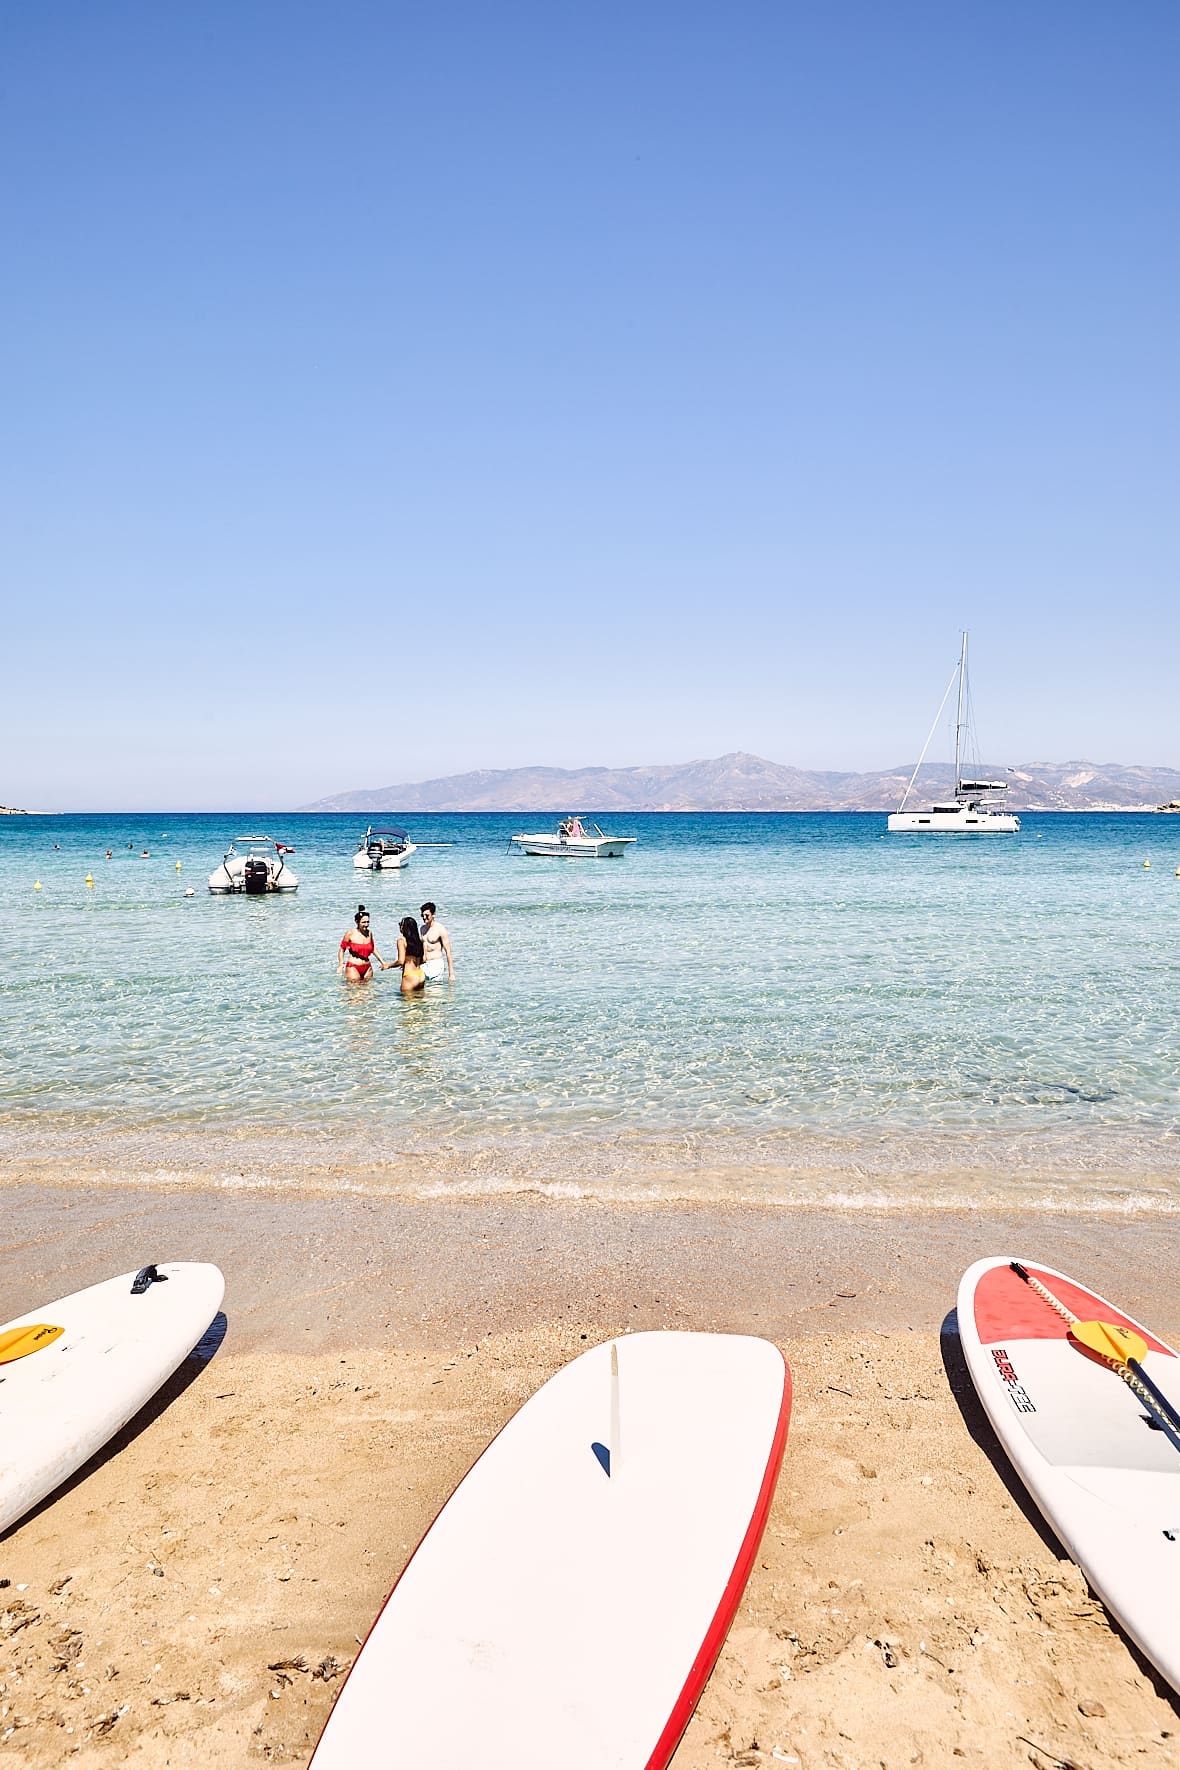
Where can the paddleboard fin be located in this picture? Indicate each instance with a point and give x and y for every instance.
(145, 1278)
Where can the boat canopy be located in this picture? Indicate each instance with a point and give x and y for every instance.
(402, 835)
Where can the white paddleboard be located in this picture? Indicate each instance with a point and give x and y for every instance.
(64, 1393)
(568, 1603)
(1093, 1455)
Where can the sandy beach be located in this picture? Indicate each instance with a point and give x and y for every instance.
(195, 1596)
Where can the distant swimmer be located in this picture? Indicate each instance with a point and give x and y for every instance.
(436, 943)
(409, 957)
(110, 852)
(358, 949)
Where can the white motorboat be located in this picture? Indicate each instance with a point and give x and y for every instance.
(253, 865)
(379, 850)
(972, 811)
(573, 840)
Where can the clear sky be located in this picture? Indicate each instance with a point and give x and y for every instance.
(391, 390)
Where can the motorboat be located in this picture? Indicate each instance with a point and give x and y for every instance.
(253, 865)
(972, 811)
(574, 840)
(378, 850)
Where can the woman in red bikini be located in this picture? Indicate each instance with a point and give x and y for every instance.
(358, 949)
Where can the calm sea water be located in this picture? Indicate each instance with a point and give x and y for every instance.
(777, 1007)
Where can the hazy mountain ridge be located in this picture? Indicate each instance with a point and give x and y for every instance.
(741, 782)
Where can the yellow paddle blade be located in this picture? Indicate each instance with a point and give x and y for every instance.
(19, 1342)
(1109, 1341)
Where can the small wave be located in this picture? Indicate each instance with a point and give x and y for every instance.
(931, 1194)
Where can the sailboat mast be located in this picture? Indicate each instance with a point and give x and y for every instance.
(959, 717)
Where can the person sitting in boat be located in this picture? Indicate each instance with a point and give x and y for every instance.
(358, 949)
(409, 957)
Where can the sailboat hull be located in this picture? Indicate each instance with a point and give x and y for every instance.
(964, 820)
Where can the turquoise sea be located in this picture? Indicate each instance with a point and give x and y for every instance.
(779, 1007)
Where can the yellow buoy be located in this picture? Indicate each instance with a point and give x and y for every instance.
(1147, 863)
(90, 881)
(178, 866)
(37, 885)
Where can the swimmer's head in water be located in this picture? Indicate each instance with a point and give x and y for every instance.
(408, 929)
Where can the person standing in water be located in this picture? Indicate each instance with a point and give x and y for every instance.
(409, 957)
(436, 943)
(358, 949)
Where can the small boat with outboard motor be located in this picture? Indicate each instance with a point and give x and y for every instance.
(381, 850)
(253, 866)
(574, 840)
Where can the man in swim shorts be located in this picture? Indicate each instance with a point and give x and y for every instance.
(437, 962)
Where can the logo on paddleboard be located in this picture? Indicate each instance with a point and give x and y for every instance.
(1017, 1393)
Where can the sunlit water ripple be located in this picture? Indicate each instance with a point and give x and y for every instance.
(778, 1007)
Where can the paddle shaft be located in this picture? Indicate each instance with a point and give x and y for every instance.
(1162, 1404)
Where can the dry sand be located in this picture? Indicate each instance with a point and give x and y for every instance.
(195, 1596)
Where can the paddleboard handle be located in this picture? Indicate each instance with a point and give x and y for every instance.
(145, 1278)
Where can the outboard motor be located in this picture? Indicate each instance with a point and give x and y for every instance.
(375, 853)
(254, 877)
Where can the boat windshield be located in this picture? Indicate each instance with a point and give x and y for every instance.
(253, 845)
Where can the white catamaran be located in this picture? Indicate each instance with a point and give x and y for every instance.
(969, 813)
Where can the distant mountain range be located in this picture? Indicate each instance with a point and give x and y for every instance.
(740, 782)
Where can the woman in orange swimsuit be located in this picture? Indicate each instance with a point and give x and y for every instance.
(358, 949)
(409, 956)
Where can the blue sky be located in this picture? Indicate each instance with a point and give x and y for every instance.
(392, 390)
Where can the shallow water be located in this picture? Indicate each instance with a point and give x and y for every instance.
(774, 1006)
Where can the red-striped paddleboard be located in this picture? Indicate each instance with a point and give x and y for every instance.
(568, 1603)
(1101, 1461)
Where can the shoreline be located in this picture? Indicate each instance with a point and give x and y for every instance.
(197, 1593)
(359, 1268)
(1120, 1173)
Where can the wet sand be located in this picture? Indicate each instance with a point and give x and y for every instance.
(194, 1597)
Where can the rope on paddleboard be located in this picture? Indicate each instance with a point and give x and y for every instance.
(1043, 1291)
(1129, 1369)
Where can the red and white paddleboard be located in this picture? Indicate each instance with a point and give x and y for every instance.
(1101, 1461)
(568, 1603)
